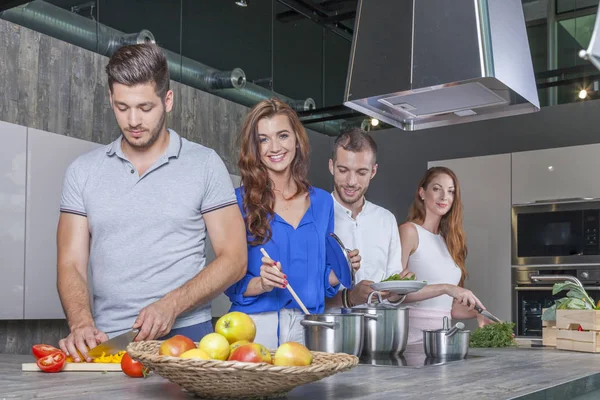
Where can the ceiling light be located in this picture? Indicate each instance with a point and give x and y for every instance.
(242, 3)
(582, 94)
(374, 121)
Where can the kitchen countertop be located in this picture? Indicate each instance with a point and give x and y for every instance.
(514, 373)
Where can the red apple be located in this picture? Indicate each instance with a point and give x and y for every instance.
(237, 344)
(176, 346)
(252, 352)
(236, 326)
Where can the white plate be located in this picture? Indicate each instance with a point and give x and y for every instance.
(399, 287)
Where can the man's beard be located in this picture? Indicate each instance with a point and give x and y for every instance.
(350, 200)
(154, 134)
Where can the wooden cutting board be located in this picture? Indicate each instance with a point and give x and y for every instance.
(78, 367)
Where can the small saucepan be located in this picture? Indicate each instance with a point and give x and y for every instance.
(447, 343)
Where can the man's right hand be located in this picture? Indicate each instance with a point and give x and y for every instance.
(82, 339)
(360, 292)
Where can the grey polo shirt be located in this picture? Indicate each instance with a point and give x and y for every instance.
(147, 232)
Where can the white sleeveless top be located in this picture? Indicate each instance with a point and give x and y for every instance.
(432, 262)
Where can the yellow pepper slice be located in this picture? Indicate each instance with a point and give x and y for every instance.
(112, 359)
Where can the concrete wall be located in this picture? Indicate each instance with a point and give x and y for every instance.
(60, 88)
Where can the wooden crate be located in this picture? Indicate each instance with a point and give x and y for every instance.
(587, 341)
(547, 324)
(549, 336)
(589, 320)
(568, 335)
(549, 331)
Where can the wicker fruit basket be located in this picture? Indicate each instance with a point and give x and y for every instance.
(213, 379)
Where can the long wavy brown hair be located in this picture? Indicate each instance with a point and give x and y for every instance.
(259, 198)
(451, 225)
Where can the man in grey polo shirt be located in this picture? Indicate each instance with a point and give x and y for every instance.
(138, 210)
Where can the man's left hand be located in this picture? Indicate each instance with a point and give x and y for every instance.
(355, 259)
(155, 320)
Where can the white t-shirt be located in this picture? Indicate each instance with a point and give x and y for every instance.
(375, 234)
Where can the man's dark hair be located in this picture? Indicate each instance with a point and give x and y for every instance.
(139, 64)
(355, 140)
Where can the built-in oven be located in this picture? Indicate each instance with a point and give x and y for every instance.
(556, 233)
(532, 292)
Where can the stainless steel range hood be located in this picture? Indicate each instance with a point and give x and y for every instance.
(419, 64)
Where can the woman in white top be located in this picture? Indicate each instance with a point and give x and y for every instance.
(434, 249)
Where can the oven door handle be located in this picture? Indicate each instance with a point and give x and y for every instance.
(547, 288)
(554, 278)
(559, 200)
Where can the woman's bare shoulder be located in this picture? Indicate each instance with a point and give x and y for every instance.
(408, 229)
(409, 237)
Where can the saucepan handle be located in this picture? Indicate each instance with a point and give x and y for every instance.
(319, 324)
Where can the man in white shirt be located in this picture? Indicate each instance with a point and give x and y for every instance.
(360, 224)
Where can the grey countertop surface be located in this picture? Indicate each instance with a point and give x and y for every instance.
(513, 373)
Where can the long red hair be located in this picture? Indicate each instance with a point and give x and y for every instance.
(259, 199)
(451, 225)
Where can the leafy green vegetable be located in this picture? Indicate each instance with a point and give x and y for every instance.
(396, 277)
(494, 335)
(576, 299)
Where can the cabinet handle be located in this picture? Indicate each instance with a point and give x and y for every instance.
(563, 200)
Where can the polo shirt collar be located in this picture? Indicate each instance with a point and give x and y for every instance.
(173, 150)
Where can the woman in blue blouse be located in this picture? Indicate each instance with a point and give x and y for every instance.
(288, 218)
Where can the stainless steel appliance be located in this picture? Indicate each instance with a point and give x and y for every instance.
(335, 333)
(386, 332)
(562, 232)
(446, 342)
(413, 357)
(531, 295)
(554, 238)
(418, 64)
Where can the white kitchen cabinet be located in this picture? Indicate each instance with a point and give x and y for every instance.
(561, 173)
(12, 219)
(49, 155)
(485, 186)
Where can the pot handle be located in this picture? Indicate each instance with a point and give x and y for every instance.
(375, 292)
(397, 303)
(371, 316)
(455, 328)
(370, 298)
(319, 324)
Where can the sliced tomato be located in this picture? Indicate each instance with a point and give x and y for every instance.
(52, 363)
(43, 350)
(133, 368)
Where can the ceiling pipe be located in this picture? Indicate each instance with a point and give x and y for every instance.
(61, 24)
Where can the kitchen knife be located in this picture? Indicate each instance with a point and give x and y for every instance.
(114, 345)
(487, 314)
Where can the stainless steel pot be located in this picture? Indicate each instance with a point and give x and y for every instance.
(387, 333)
(334, 333)
(447, 343)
